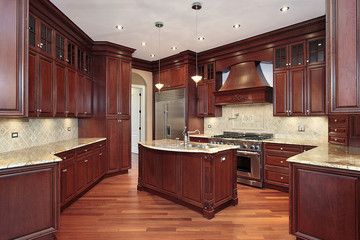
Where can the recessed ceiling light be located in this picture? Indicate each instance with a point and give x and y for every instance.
(201, 38)
(236, 25)
(284, 9)
(173, 48)
(143, 44)
(152, 55)
(119, 27)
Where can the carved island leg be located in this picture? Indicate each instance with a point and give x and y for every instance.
(234, 200)
(208, 203)
(140, 186)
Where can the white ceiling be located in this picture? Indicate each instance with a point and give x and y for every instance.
(98, 19)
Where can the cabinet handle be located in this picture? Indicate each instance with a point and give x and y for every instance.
(307, 61)
(100, 154)
(86, 160)
(286, 64)
(85, 70)
(335, 139)
(281, 162)
(39, 110)
(67, 60)
(60, 56)
(40, 45)
(119, 120)
(335, 120)
(100, 145)
(281, 148)
(66, 112)
(290, 64)
(64, 158)
(223, 159)
(85, 150)
(335, 129)
(281, 178)
(85, 113)
(64, 170)
(304, 151)
(308, 111)
(120, 113)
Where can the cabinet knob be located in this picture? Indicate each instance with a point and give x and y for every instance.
(64, 170)
(40, 45)
(64, 158)
(86, 160)
(335, 129)
(282, 178)
(119, 120)
(290, 64)
(281, 162)
(281, 148)
(100, 145)
(85, 150)
(287, 64)
(67, 60)
(40, 110)
(308, 111)
(304, 151)
(85, 113)
(100, 154)
(85, 70)
(223, 159)
(60, 56)
(335, 139)
(335, 120)
(307, 61)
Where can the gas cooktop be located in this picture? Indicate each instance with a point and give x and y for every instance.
(245, 136)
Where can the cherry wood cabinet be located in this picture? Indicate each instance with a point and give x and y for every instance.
(119, 145)
(199, 139)
(171, 78)
(118, 87)
(204, 182)
(344, 129)
(80, 170)
(299, 79)
(13, 58)
(324, 195)
(276, 168)
(29, 203)
(343, 24)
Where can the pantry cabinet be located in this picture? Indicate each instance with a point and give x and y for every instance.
(343, 59)
(13, 58)
(299, 79)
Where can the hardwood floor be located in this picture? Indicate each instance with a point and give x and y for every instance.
(114, 209)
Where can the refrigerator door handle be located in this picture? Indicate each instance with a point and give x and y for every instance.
(168, 131)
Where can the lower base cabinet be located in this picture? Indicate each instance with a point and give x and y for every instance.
(324, 203)
(79, 170)
(29, 203)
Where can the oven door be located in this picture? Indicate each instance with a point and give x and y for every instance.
(249, 164)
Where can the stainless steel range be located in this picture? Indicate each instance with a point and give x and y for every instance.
(250, 160)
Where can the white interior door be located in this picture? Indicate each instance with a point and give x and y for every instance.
(135, 118)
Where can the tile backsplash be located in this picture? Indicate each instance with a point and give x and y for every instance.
(34, 132)
(259, 118)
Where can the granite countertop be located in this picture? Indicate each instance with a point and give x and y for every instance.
(171, 145)
(42, 154)
(293, 141)
(330, 155)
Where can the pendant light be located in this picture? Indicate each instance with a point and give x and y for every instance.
(197, 78)
(159, 25)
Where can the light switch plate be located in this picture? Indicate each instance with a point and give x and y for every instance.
(14, 134)
(69, 129)
(209, 126)
(301, 128)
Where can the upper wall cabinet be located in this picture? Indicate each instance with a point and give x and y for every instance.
(299, 78)
(343, 35)
(171, 78)
(118, 87)
(13, 58)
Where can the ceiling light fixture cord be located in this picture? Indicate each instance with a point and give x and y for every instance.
(159, 54)
(196, 49)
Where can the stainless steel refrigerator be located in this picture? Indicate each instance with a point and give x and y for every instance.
(169, 114)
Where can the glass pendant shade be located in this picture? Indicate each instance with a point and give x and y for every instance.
(196, 78)
(159, 85)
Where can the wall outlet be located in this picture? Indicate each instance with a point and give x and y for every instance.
(69, 129)
(301, 128)
(14, 134)
(209, 126)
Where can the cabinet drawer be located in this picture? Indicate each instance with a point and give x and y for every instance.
(66, 155)
(99, 144)
(283, 147)
(338, 131)
(276, 177)
(84, 150)
(337, 120)
(338, 140)
(276, 160)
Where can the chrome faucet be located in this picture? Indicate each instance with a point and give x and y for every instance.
(188, 133)
(185, 136)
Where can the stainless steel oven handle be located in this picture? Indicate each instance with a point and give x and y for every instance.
(247, 153)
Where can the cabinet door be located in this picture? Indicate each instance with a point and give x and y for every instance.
(80, 109)
(59, 47)
(316, 51)
(71, 93)
(281, 58)
(344, 64)
(113, 145)
(60, 96)
(67, 181)
(280, 93)
(88, 97)
(32, 86)
(90, 168)
(112, 75)
(202, 90)
(102, 157)
(191, 180)
(316, 88)
(297, 54)
(81, 172)
(223, 176)
(169, 173)
(125, 88)
(13, 57)
(297, 92)
(212, 110)
(177, 77)
(124, 132)
(210, 71)
(96, 163)
(45, 94)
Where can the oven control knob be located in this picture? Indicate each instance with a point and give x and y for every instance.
(244, 146)
(222, 143)
(252, 147)
(257, 147)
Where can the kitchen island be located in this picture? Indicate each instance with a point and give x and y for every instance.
(199, 176)
(324, 193)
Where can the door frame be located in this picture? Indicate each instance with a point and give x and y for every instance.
(143, 110)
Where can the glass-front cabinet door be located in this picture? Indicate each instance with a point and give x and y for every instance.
(316, 51)
(297, 54)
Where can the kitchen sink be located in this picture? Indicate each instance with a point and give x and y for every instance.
(202, 146)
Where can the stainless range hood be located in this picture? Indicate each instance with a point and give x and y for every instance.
(245, 84)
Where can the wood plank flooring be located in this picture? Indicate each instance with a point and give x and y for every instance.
(114, 209)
